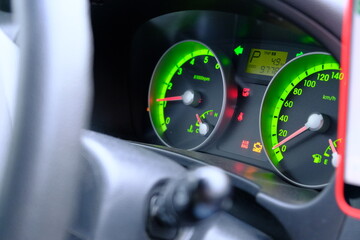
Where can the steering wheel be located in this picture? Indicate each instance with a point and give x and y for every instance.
(40, 174)
(61, 182)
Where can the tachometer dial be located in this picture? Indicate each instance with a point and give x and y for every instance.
(187, 95)
(299, 116)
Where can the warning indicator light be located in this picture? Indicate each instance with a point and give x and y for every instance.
(240, 117)
(257, 147)
(245, 144)
(239, 50)
(246, 92)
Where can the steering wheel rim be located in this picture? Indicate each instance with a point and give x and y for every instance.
(38, 190)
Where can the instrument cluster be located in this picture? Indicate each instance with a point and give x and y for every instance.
(257, 90)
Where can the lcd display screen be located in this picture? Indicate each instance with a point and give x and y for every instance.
(265, 62)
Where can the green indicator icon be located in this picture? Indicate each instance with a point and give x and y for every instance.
(190, 129)
(317, 158)
(299, 53)
(239, 50)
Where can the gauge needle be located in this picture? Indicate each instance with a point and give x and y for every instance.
(189, 98)
(335, 155)
(314, 123)
(204, 128)
(296, 133)
(198, 119)
(175, 98)
(333, 149)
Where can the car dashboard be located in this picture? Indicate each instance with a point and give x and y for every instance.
(203, 120)
(243, 44)
(238, 61)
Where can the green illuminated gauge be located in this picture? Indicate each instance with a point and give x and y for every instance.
(298, 117)
(187, 96)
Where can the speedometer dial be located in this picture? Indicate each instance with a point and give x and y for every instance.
(299, 116)
(187, 95)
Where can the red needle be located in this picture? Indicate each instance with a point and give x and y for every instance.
(198, 118)
(298, 132)
(333, 149)
(176, 98)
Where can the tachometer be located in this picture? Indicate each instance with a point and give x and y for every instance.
(187, 95)
(298, 117)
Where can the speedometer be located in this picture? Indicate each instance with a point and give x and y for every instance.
(299, 119)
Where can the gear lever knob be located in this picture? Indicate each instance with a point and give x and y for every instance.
(197, 196)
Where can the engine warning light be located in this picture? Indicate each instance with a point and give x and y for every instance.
(257, 147)
(246, 92)
(245, 144)
(240, 117)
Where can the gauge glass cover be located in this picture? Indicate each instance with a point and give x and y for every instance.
(299, 115)
(187, 96)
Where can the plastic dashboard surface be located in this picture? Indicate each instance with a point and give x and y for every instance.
(238, 41)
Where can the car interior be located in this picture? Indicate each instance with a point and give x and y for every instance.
(187, 120)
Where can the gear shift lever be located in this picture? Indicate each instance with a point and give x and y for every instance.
(197, 196)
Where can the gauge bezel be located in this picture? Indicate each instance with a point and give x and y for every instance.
(209, 139)
(318, 186)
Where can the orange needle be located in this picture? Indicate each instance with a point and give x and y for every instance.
(298, 132)
(315, 122)
(333, 149)
(198, 118)
(335, 155)
(176, 98)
